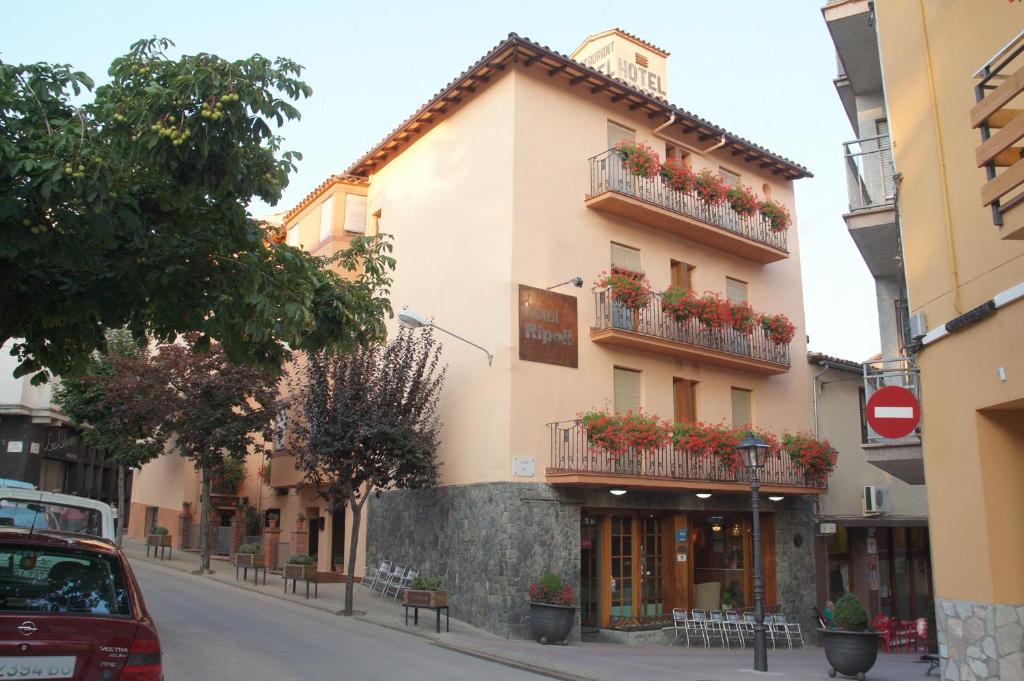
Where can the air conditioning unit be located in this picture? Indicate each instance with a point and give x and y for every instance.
(877, 500)
(918, 325)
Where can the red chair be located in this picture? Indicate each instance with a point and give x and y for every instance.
(886, 628)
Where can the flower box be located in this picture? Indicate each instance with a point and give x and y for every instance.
(307, 572)
(158, 540)
(426, 599)
(249, 559)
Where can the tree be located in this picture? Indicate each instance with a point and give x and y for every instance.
(113, 402)
(130, 211)
(216, 410)
(367, 421)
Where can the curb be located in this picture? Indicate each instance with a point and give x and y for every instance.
(509, 662)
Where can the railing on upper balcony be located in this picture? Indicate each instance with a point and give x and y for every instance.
(882, 373)
(1000, 82)
(572, 452)
(609, 173)
(869, 172)
(651, 321)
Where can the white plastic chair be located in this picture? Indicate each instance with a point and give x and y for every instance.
(678, 624)
(401, 584)
(716, 627)
(370, 578)
(733, 625)
(792, 630)
(698, 624)
(397, 573)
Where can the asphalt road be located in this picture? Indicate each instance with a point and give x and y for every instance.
(214, 632)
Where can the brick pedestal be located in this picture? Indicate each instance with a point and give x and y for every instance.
(300, 540)
(184, 525)
(271, 539)
(237, 534)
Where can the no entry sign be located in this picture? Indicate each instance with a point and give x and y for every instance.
(893, 412)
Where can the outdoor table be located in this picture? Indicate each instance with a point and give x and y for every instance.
(416, 614)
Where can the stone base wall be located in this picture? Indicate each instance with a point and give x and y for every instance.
(979, 641)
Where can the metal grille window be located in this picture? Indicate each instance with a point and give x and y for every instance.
(627, 390)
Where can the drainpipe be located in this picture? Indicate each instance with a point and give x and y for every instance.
(814, 399)
(657, 132)
(717, 146)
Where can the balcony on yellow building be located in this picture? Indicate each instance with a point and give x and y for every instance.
(652, 330)
(649, 201)
(577, 462)
(1001, 123)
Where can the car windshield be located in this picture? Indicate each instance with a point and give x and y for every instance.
(42, 515)
(61, 581)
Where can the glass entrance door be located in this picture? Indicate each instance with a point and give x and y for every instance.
(652, 591)
(590, 552)
(622, 607)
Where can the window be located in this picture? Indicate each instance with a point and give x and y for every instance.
(627, 390)
(293, 236)
(641, 60)
(373, 229)
(684, 397)
(885, 157)
(736, 291)
(678, 153)
(54, 580)
(731, 179)
(326, 218)
(682, 275)
(355, 213)
(280, 427)
(626, 258)
(741, 407)
(619, 133)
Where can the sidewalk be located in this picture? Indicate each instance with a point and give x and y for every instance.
(577, 662)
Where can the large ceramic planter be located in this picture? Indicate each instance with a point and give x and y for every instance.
(426, 599)
(851, 653)
(551, 623)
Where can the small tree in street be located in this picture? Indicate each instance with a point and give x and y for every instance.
(216, 410)
(367, 421)
(113, 402)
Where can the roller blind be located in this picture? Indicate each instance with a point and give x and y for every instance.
(741, 411)
(626, 258)
(355, 213)
(735, 290)
(326, 218)
(731, 178)
(627, 390)
(618, 133)
(293, 236)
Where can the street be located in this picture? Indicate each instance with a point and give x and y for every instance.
(212, 631)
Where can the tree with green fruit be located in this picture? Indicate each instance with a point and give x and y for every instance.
(126, 206)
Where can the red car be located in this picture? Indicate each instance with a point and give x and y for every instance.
(70, 608)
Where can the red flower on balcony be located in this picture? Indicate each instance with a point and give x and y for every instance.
(742, 317)
(638, 158)
(816, 458)
(777, 215)
(714, 440)
(678, 304)
(617, 434)
(780, 330)
(629, 289)
(678, 175)
(743, 200)
(710, 187)
(714, 312)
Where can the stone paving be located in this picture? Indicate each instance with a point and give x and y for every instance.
(576, 662)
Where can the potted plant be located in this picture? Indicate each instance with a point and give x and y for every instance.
(628, 289)
(620, 433)
(816, 458)
(713, 311)
(300, 520)
(552, 609)
(273, 518)
(778, 327)
(678, 175)
(300, 566)
(776, 214)
(186, 508)
(679, 304)
(158, 536)
(850, 648)
(710, 187)
(742, 317)
(249, 555)
(638, 158)
(426, 592)
(743, 200)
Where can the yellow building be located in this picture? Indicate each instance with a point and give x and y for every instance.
(503, 186)
(953, 80)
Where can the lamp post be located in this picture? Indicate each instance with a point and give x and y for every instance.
(753, 451)
(410, 319)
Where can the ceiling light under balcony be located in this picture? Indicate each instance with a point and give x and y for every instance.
(775, 498)
(703, 495)
(617, 492)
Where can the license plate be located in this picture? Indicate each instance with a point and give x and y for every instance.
(39, 667)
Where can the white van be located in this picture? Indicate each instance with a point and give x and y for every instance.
(28, 508)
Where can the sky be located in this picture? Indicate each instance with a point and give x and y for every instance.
(762, 70)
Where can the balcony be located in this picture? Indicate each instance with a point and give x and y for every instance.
(1000, 83)
(651, 330)
(283, 472)
(851, 23)
(900, 458)
(649, 201)
(871, 188)
(574, 462)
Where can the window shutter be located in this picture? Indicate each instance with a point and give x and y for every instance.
(735, 290)
(293, 236)
(626, 258)
(741, 412)
(618, 133)
(326, 218)
(885, 157)
(627, 390)
(731, 178)
(355, 213)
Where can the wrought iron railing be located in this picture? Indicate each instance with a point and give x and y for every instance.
(869, 172)
(609, 173)
(572, 452)
(651, 321)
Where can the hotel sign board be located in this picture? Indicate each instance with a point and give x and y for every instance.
(548, 327)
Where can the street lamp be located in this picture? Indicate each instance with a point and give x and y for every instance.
(753, 451)
(410, 319)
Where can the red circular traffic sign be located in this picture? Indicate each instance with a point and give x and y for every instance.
(893, 412)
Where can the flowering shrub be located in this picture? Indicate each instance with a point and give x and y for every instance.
(743, 200)
(638, 158)
(710, 187)
(678, 304)
(817, 458)
(619, 433)
(551, 590)
(713, 440)
(780, 330)
(714, 311)
(678, 174)
(777, 215)
(629, 289)
(742, 317)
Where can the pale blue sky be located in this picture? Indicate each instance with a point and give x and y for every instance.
(762, 70)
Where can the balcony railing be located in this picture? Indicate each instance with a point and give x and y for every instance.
(869, 172)
(571, 452)
(879, 374)
(609, 174)
(651, 321)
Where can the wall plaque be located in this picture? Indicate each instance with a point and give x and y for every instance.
(548, 327)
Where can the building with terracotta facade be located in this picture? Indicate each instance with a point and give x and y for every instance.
(503, 186)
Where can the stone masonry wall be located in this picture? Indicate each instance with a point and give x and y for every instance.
(980, 642)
